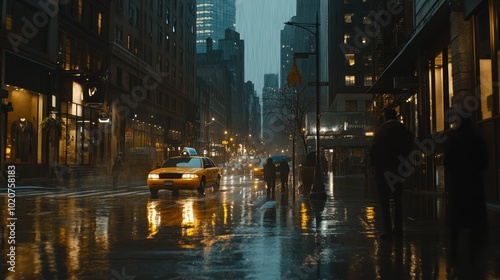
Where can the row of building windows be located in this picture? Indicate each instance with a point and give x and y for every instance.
(349, 39)
(158, 97)
(350, 80)
(350, 59)
(173, 23)
(159, 7)
(77, 56)
(133, 46)
(349, 18)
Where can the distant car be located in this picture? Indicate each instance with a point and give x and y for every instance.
(233, 169)
(185, 172)
(258, 171)
(248, 168)
(237, 169)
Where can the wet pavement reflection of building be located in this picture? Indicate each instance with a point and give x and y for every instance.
(235, 234)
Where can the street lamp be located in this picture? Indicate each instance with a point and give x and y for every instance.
(208, 123)
(208, 135)
(318, 189)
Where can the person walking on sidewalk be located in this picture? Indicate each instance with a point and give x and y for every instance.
(391, 145)
(465, 162)
(270, 178)
(284, 171)
(117, 169)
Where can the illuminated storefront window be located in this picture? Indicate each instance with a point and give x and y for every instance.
(24, 138)
(484, 76)
(82, 140)
(440, 90)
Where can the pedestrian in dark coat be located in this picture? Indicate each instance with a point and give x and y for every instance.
(117, 169)
(392, 143)
(465, 162)
(284, 171)
(270, 178)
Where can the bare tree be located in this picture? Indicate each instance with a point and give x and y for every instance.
(288, 111)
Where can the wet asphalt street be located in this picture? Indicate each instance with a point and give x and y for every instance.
(98, 233)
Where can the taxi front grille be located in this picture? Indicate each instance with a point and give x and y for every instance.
(170, 175)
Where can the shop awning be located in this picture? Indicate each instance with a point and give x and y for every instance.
(27, 73)
(405, 61)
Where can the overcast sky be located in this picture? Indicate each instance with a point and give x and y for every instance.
(259, 23)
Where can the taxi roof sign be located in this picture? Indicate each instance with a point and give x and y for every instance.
(188, 151)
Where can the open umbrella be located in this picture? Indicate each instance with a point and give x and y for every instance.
(280, 157)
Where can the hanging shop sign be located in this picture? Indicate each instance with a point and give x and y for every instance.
(94, 93)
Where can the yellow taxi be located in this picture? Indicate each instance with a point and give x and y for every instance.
(185, 172)
(258, 171)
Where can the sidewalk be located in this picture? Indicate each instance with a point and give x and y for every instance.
(350, 219)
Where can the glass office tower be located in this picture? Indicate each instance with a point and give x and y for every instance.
(213, 17)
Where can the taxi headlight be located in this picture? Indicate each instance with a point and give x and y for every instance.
(189, 176)
(154, 176)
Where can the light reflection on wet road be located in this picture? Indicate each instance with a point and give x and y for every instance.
(235, 234)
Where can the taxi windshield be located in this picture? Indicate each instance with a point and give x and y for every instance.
(183, 162)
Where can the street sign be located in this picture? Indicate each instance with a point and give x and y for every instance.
(321, 84)
(129, 135)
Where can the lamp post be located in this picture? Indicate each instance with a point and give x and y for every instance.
(294, 78)
(209, 148)
(318, 189)
(225, 142)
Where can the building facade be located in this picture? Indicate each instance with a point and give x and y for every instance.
(287, 41)
(233, 52)
(442, 61)
(346, 62)
(214, 70)
(51, 55)
(152, 83)
(254, 119)
(119, 74)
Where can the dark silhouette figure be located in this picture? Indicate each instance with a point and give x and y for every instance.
(117, 169)
(391, 145)
(270, 178)
(311, 162)
(284, 169)
(465, 161)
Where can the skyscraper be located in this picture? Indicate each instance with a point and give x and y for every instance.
(213, 17)
(287, 40)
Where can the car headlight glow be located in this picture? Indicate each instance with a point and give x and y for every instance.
(153, 176)
(189, 176)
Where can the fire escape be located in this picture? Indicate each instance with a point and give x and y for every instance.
(387, 44)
